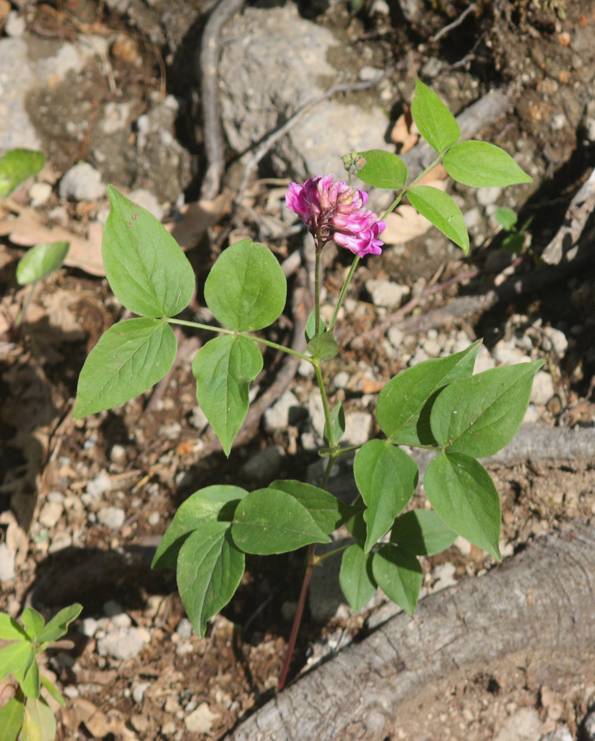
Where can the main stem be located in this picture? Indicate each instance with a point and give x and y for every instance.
(317, 290)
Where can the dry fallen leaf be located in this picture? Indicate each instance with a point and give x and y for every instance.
(197, 218)
(405, 223)
(405, 133)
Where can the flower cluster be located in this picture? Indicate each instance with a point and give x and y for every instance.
(333, 210)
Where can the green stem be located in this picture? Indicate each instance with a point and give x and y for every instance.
(316, 560)
(399, 197)
(317, 292)
(326, 408)
(343, 292)
(260, 340)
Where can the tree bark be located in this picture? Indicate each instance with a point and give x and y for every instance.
(541, 601)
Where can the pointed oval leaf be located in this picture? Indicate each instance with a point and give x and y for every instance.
(246, 288)
(130, 358)
(355, 577)
(40, 261)
(29, 681)
(15, 658)
(398, 573)
(506, 217)
(483, 165)
(16, 166)
(39, 723)
(214, 503)
(270, 521)
(327, 511)
(33, 622)
(324, 346)
(208, 573)
(404, 398)
(146, 268)
(381, 169)
(334, 428)
(440, 209)
(58, 625)
(386, 478)
(52, 690)
(10, 630)
(223, 369)
(465, 498)
(435, 122)
(11, 719)
(422, 533)
(480, 415)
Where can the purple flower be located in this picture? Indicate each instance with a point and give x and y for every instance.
(333, 210)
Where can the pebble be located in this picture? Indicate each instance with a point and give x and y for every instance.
(6, 563)
(184, 629)
(277, 417)
(118, 455)
(316, 413)
(139, 723)
(484, 360)
(507, 352)
(358, 426)
(89, 627)
(154, 518)
(101, 484)
(147, 200)
(123, 643)
(531, 414)
(112, 517)
(560, 734)
(472, 218)
(543, 388)
(395, 337)
(82, 183)
(341, 380)
(463, 545)
(487, 196)
(15, 25)
(200, 720)
(589, 727)
(60, 542)
(40, 193)
(263, 466)
(370, 73)
(444, 574)
(386, 293)
(198, 419)
(557, 339)
(138, 691)
(523, 725)
(50, 514)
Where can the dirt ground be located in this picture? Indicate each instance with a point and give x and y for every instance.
(60, 479)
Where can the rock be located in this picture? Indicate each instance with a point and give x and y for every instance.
(484, 360)
(341, 380)
(100, 485)
(255, 98)
(560, 734)
(147, 200)
(89, 627)
(444, 574)
(386, 293)
(463, 545)
(15, 25)
(82, 183)
(198, 419)
(139, 723)
(589, 723)
(115, 117)
(123, 643)
(396, 337)
(200, 720)
(316, 413)
(50, 514)
(325, 593)
(531, 414)
(118, 455)
(589, 120)
(523, 725)
(507, 353)
(263, 466)
(184, 629)
(543, 388)
(472, 218)
(487, 196)
(358, 426)
(138, 691)
(153, 518)
(112, 517)
(6, 563)
(370, 73)
(40, 193)
(558, 340)
(278, 416)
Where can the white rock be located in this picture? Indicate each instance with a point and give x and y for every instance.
(507, 352)
(543, 388)
(562, 733)
(484, 360)
(184, 629)
(589, 722)
(370, 73)
(100, 485)
(153, 518)
(358, 426)
(463, 545)
(487, 196)
(147, 200)
(316, 413)
(115, 117)
(531, 414)
(472, 218)
(50, 514)
(341, 380)
(200, 720)
(89, 627)
(138, 691)
(112, 517)
(558, 340)
(386, 293)
(6, 563)
(15, 24)
(40, 193)
(523, 725)
(123, 643)
(277, 417)
(444, 574)
(82, 183)
(198, 419)
(118, 455)
(396, 337)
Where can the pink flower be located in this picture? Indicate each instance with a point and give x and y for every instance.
(333, 210)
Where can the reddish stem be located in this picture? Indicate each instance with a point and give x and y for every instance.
(297, 620)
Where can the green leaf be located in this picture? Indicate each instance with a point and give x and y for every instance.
(435, 122)
(422, 533)
(208, 573)
(29, 680)
(386, 478)
(506, 217)
(355, 577)
(310, 328)
(440, 209)
(335, 427)
(482, 165)
(130, 358)
(246, 288)
(40, 261)
(213, 503)
(58, 625)
(39, 723)
(33, 622)
(403, 399)
(270, 521)
(381, 169)
(327, 511)
(324, 346)
(11, 719)
(10, 630)
(514, 242)
(223, 369)
(53, 690)
(480, 415)
(16, 166)
(465, 498)
(145, 266)
(398, 573)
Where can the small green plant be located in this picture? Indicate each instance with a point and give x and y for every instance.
(516, 236)
(27, 716)
(16, 166)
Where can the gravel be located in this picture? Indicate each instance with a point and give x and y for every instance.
(523, 725)
(543, 388)
(277, 417)
(112, 517)
(7, 571)
(200, 720)
(82, 183)
(358, 426)
(123, 643)
(386, 293)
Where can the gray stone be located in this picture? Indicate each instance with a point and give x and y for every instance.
(560, 734)
(386, 293)
(89, 627)
(118, 455)
(396, 337)
(50, 514)
(198, 419)
(200, 720)
(444, 574)
(558, 340)
(7, 571)
(138, 691)
(325, 592)
(358, 426)
(263, 466)
(123, 643)
(543, 388)
(488, 196)
(100, 485)
(507, 353)
(277, 417)
(256, 99)
(589, 722)
(472, 218)
(147, 200)
(112, 517)
(82, 183)
(316, 413)
(184, 629)
(15, 24)
(523, 725)
(40, 194)
(341, 380)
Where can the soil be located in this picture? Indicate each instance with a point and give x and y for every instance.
(152, 450)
